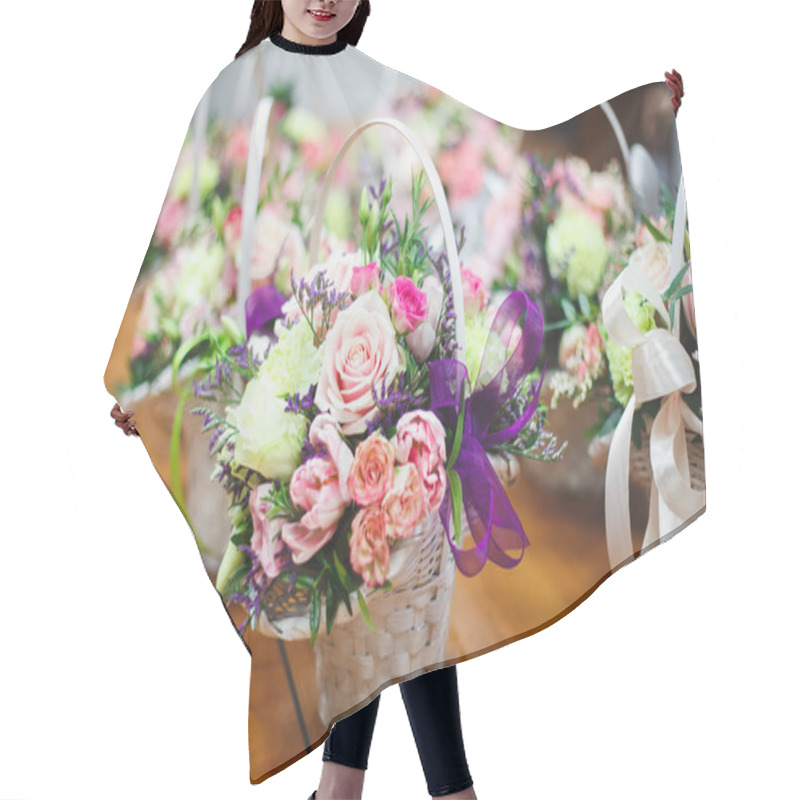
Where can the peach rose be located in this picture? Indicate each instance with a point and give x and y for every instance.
(409, 304)
(267, 543)
(372, 473)
(315, 489)
(369, 550)
(359, 353)
(420, 440)
(403, 505)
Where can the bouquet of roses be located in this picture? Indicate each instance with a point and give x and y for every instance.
(356, 423)
(650, 254)
(576, 225)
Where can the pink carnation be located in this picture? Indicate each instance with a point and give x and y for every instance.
(372, 473)
(403, 505)
(369, 550)
(420, 440)
(409, 304)
(315, 489)
(267, 543)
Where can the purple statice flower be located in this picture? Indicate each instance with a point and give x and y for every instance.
(391, 403)
(319, 293)
(298, 403)
(256, 583)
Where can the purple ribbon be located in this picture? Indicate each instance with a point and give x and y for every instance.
(262, 306)
(493, 523)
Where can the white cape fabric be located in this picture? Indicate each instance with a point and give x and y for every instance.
(418, 380)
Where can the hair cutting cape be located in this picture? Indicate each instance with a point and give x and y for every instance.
(418, 380)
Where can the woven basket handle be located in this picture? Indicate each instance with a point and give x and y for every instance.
(453, 263)
(261, 134)
(199, 126)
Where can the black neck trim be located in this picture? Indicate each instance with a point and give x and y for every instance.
(309, 49)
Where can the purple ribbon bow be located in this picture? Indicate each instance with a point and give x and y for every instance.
(493, 523)
(262, 306)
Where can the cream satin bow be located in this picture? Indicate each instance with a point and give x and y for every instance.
(661, 368)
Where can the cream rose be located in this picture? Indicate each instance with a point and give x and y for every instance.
(359, 353)
(653, 258)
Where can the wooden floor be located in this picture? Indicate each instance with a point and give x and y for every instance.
(566, 560)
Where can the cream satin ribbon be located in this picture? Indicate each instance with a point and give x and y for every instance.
(661, 368)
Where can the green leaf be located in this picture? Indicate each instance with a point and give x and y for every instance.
(457, 499)
(459, 428)
(611, 421)
(362, 604)
(676, 281)
(342, 583)
(583, 302)
(658, 235)
(313, 614)
(332, 601)
(569, 309)
(183, 351)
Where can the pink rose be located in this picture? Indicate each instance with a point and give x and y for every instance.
(237, 146)
(315, 489)
(476, 298)
(420, 440)
(369, 550)
(172, 216)
(462, 170)
(372, 473)
(267, 543)
(409, 304)
(358, 354)
(232, 229)
(422, 339)
(365, 279)
(403, 505)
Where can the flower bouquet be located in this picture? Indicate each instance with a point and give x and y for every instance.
(575, 226)
(369, 439)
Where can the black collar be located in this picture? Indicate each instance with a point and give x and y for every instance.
(309, 49)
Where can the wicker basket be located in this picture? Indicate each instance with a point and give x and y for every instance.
(411, 618)
(641, 470)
